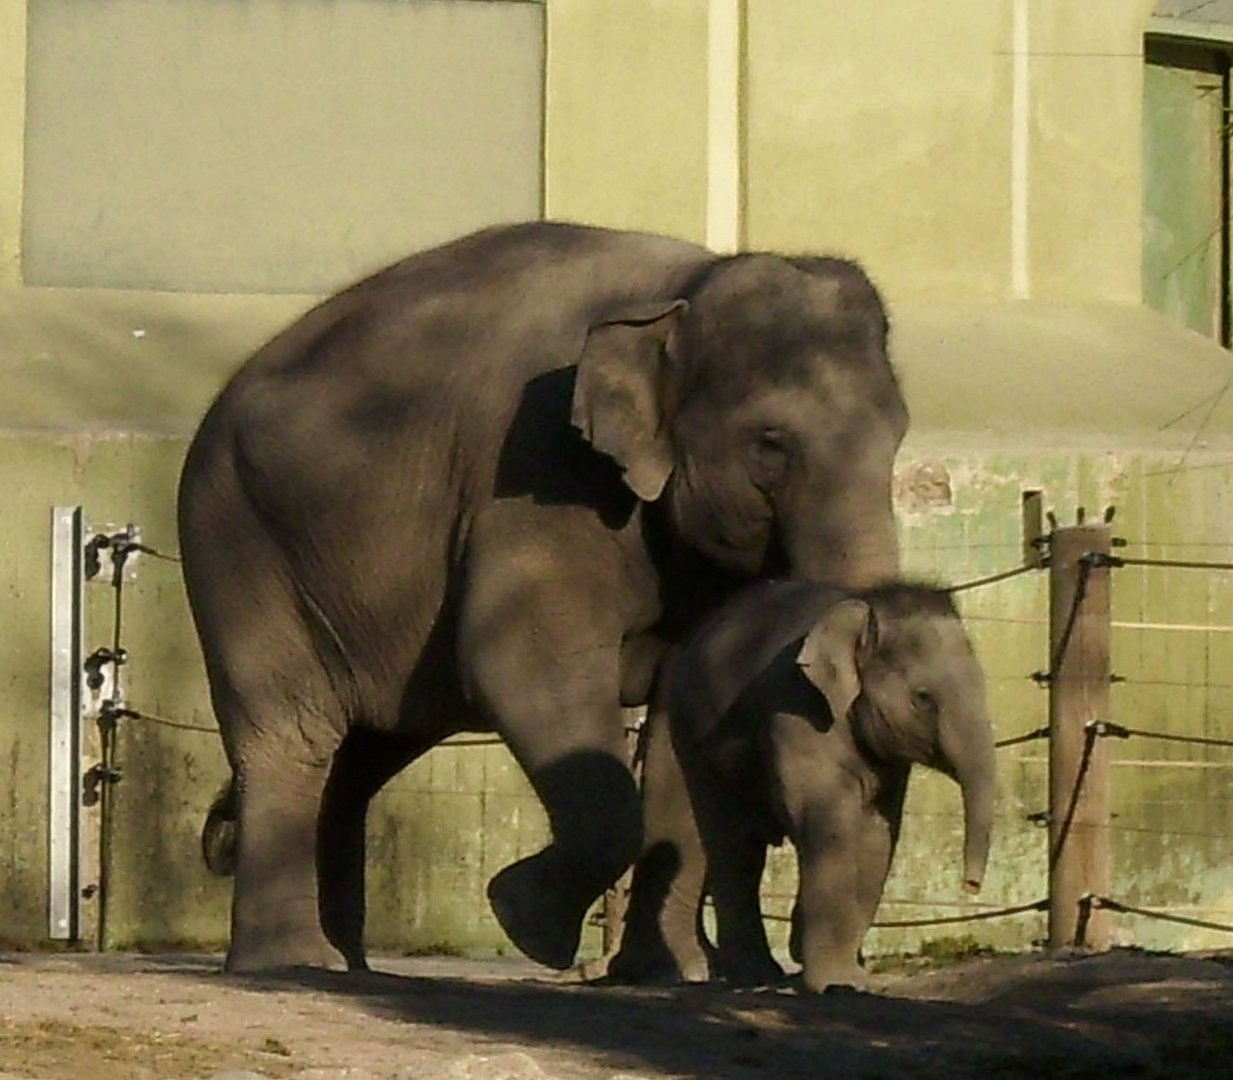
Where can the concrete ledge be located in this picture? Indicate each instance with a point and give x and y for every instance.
(144, 363)
(977, 375)
(1041, 376)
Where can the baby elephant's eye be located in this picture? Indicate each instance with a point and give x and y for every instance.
(923, 703)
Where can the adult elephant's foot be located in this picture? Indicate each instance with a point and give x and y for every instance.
(537, 911)
(748, 969)
(282, 949)
(826, 976)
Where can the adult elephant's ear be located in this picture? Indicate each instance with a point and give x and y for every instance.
(832, 651)
(619, 394)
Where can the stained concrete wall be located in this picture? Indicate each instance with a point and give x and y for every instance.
(1005, 232)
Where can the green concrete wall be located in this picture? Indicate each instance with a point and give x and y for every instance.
(886, 132)
(12, 135)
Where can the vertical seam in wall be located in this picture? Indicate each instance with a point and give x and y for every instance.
(1020, 149)
(723, 125)
(543, 111)
(14, 80)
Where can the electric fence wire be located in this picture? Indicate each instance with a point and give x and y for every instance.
(115, 710)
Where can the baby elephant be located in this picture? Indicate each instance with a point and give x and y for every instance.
(799, 710)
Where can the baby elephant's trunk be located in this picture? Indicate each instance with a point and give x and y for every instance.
(972, 757)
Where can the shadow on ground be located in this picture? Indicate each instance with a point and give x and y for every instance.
(1122, 1014)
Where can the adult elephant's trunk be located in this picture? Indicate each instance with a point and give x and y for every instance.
(852, 546)
(968, 748)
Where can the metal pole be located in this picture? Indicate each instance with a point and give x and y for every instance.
(616, 899)
(64, 885)
(1079, 631)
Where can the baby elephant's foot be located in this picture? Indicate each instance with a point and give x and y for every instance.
(834, 979)
(526, 899)
(656, 967)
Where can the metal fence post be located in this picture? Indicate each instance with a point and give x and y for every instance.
(64, 781)
(1079, 632)
(616, 898)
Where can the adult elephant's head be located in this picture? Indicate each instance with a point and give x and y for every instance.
(761, 409)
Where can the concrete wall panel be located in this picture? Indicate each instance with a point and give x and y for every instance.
(272, 145)
(626, 114)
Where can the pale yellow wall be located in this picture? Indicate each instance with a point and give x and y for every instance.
(12, 135)
(880, 131)
(1085, 190)
(272, 145)
(626, 114)
(886, 132)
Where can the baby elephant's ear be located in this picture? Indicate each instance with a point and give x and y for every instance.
(830, 653)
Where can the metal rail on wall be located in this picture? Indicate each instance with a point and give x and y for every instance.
(81, 758)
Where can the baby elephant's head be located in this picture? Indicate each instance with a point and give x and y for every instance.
(897, 664)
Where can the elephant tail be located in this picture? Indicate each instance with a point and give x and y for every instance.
(218, 833)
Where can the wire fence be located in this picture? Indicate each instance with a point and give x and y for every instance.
(1095, 730)
(114, 710)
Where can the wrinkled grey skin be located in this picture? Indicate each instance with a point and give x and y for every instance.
(798, 711)
(484, 490)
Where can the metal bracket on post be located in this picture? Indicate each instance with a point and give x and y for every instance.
(64, 893)
(110, 556)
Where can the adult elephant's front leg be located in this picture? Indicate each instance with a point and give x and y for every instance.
(541, 656)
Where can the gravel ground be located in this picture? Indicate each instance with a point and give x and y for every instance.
(125, 1017)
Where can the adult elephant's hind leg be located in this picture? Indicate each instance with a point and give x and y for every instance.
(275, 919)
(365, 762)
(281, 721)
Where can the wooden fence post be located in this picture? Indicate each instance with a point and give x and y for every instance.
(1079, 631)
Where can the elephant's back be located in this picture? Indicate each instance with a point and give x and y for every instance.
(443, 345)
(504, 300)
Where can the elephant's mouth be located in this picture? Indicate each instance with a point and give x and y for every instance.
(775, 561)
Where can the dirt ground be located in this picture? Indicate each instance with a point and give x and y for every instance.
(125, 1017)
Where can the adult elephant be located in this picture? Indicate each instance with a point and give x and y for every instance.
(482, 490)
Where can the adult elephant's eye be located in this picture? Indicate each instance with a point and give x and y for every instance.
(923, 703)
(768, 456)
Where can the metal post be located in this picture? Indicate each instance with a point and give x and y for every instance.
(616, 898)
(64, 886)
(1079, 633)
